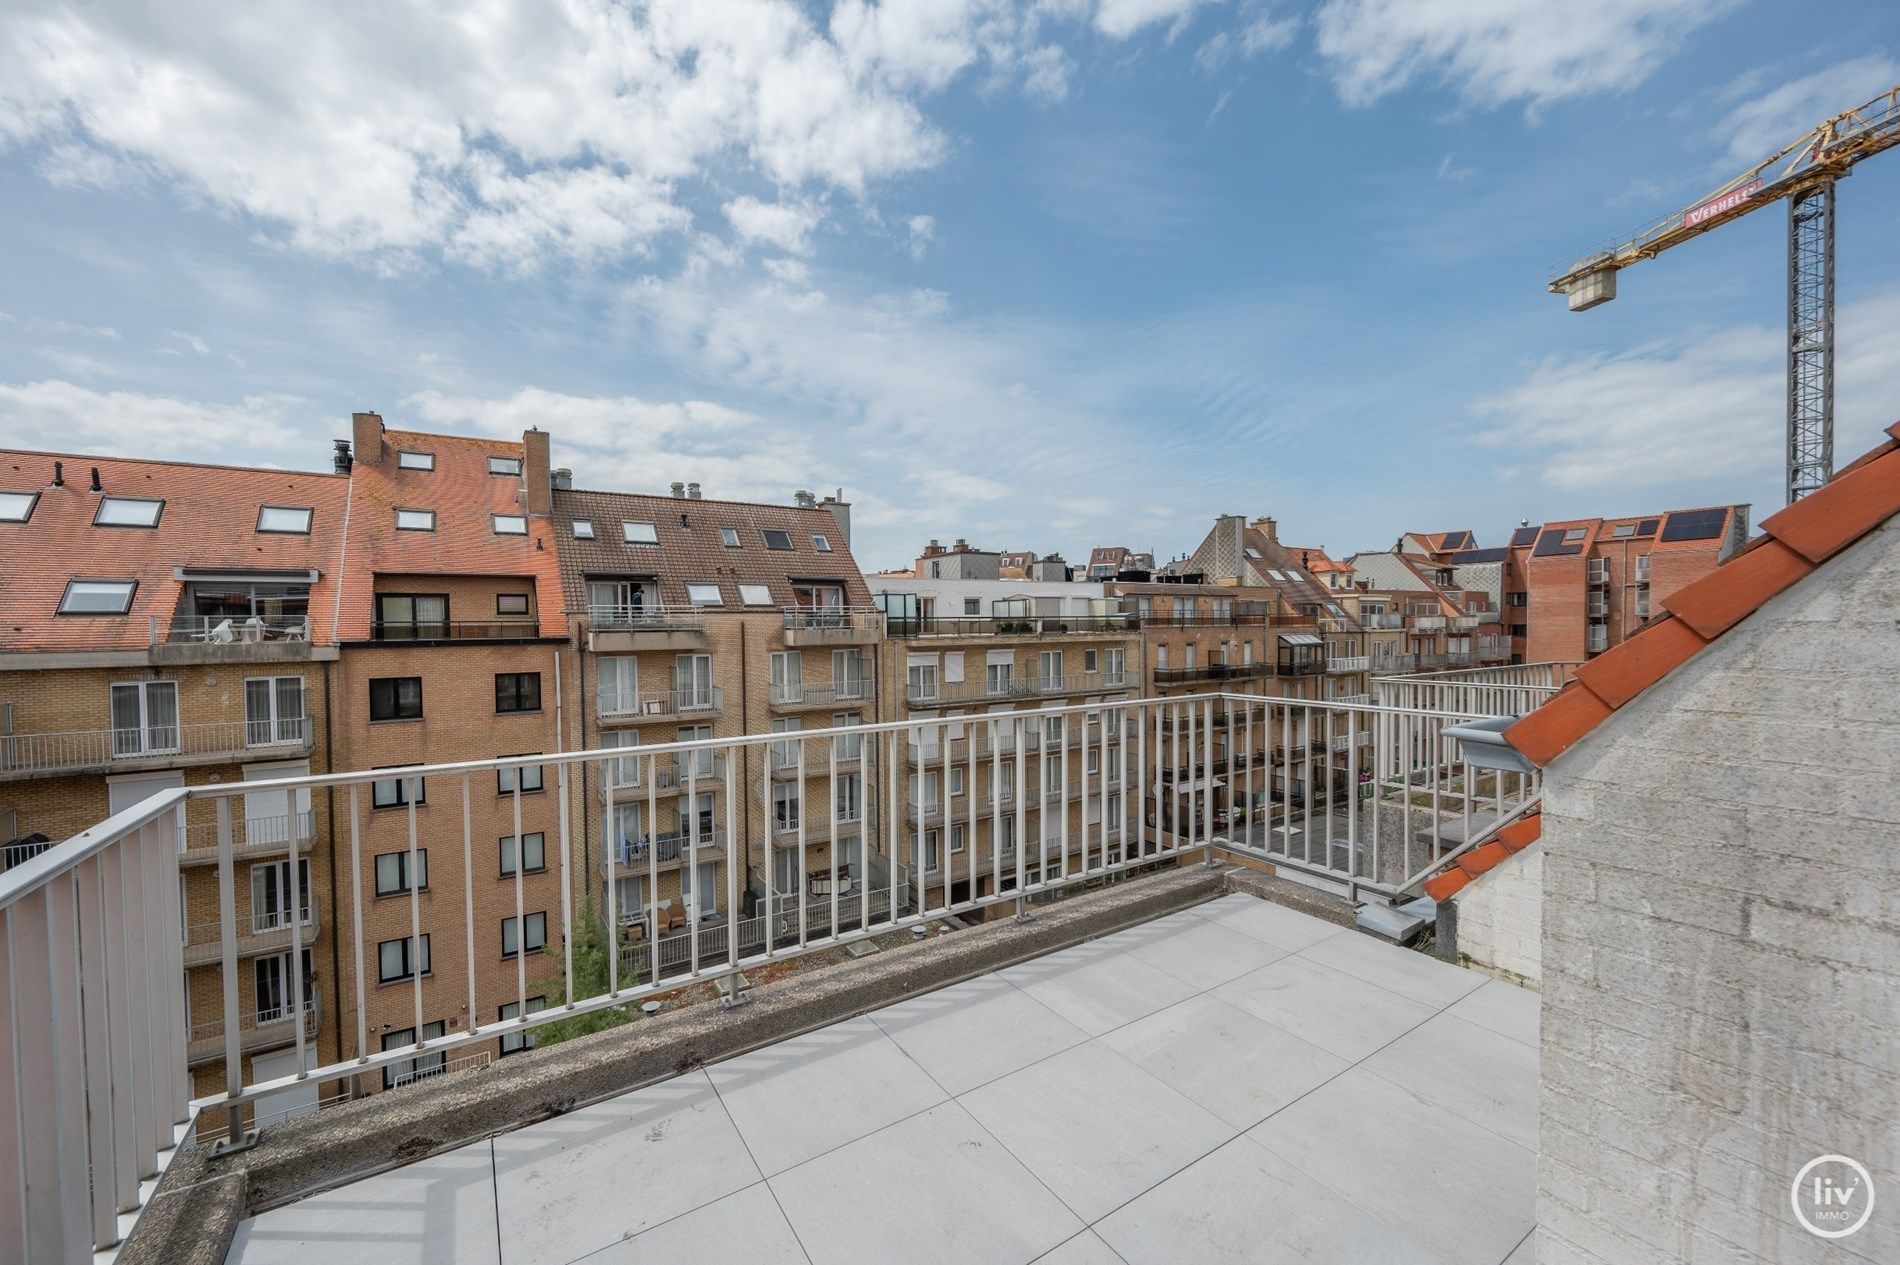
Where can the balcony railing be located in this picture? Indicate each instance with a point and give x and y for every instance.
(619, 705)
(915, 626)
(1029, 686)
(798, 694)
(831, 625)
(629, 773)
(1213, 672)
(98, 917)
(251, 837)
(220, 630)
(1382, 620)
(1348, 663)
(1504, 690)
(437, 630)
(81, 750)
(264, 931)
(1225, 619)
(648, 616)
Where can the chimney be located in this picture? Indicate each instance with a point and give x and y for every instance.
(679, 489)
(534, 471)
(841, 510)
(803, 499)
(367, 431)
(692, 491)
(341, 457)
(563, 479)
(59, 474)
(95, 480)
(1268, 528)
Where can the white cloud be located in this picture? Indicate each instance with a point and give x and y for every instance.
(1501, 52)
(1260, 32)
(785, 225)
(1765, 121)
(1119, 19)
(921, 231)
(65, 417)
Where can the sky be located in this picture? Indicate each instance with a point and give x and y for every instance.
(1045, 276)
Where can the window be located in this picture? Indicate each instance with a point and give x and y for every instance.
(409, 1071)
(287, 519)
(517, 692)
(997, 677)
(786, 799)
(395, 698)
(755, 595)
(127, 511)
(415, 520)
(97, 597)
(394, 792)
(922, 681)
(850, 746)
(849, 798)
(504, 465)
(402, 959)
(273, 710)
(704, 595)
(1115, 668)
(956, 780)
(17, 507)
(411, 616)
(392, 872)
(972, 606)
(509, 524)
(639, 534)
(583, 529)
(407, 460)
(776, 539)
(511, 603)
(821, 542)
(729, 537)
(530, 779)
(144, 717)
(534, 848)
(535, 940)
(1088, 661)
(512, 1010)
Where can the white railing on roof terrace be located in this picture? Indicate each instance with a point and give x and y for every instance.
(654, 615)
(1364, 798)
(1501, 690)
(82, 749)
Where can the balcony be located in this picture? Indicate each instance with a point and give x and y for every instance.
(153, 747)
(211, 639)
(1313, 665)
(265, 931)
(626, 776)
(651, 626)
(667, 849)
(1348, 663)
(1016, 687)
(257, 1030)
(1426, 623)
(1382, 620)
(1229, 619)
(795, 696)
(1212, 672)
(441, 632)
(618, 708)
(836, 626)
(953, 627)
(252, 838)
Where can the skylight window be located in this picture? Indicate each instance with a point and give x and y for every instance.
(127, 511)
(415, 460)
(583, 529)
(776, 539)
(288, 520)
(729, 536)
(415, 520)
(97, 597)
(510, 524)
(504, 465)
(17, 507)
(639, 534)
(704, 595)
(821, 542)
(755, 595)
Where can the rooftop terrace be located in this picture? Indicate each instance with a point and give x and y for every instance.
(1233, 1081)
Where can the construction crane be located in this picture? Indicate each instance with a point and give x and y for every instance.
(1803, 172)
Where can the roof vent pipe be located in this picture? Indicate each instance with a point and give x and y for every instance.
(95, 480)
(59, 474)
(692, 491)
(342, 456)
(679, 489)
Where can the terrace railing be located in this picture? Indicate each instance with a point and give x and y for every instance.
(96, 1099)
(78, 750)
(1500, 690)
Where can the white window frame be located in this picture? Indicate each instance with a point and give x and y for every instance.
(638, 533)
(130, 587)
(411, 459)
(269, 729)
(152, 738)
(509, 524)
(696, 593)
(729, 537)
(99, 512)
(755, 595)
(583, 528)
(416, 520)
(504, 465)
(305, 515)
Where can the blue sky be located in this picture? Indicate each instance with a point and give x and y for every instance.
(1042, 275)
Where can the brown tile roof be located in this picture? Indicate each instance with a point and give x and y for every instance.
(464, 496)
(1298, 587)
(209, 521)
(1794, 541)
(692, 552)
(1511, 838)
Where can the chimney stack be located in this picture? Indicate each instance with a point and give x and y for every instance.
(534, 471)
(563, 479)
(841, 510)
(59, 474)
(96, 486)
(367, 431)
(1268, 528)
(341, 457)
(679, 489)
(692, 491)
(803, 499)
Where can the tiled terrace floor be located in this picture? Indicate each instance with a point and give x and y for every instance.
(1238, 1082)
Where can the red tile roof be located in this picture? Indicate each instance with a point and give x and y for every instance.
(1794, 541)
(1511, 838)
(209, 521)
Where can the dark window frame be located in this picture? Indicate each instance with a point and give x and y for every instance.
(511, 597)
(539, 773)
(515, 473)
(501, 858)
(521, 937)
(410, 957)
(402, 795)
(509, 688)
(401, 856)
(393, 689)
(767, 533)
(32, 503)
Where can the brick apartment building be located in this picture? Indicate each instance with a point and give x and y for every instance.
(1444, 594)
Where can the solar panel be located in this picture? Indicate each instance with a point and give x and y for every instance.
(1457, 540)
(1523, 536)
(1480, 555)
(1647, 527)
(1694, 525)
(1551, 544)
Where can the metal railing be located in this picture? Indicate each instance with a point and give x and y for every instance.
(91, 928)
(619, 704)
(250, 836)
(1213, 672)
(1029, 685)
(651, 615)
(455, 630)
(1501, 690)
(221, 630)
(798, 694)
(1348, 663)
(82, 749)
(913, 626)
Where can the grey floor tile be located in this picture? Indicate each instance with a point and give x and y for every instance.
(1244, 1204)
(934, 1187)
(1502, 1007)
(1279, 926)
(976, 1031)
(1405, 972)
(1097, 987)
(1488, 1079)
(1196, 950)
(579, 1182)
(798, 1098)
(1085, 1248)
(1229, 1061)
(1339, 1013)
(1526, 1253)
(438, 1211)
(1096, 1129)
(1461, 1191)
(745, 1226)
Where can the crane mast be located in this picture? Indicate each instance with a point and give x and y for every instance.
(1804, 173)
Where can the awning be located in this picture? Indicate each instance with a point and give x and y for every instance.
(1201, 784)
(1300, 639)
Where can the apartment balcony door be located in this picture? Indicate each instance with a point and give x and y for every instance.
(788, 676)
(277, 816)
(692, 678)
(144, 718)
(699, 890)
(271, 979)
(271, 894)
(618, 684)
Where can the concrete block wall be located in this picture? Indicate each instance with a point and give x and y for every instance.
(1721, 947)
(1501, 919)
